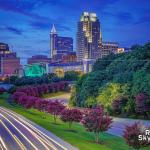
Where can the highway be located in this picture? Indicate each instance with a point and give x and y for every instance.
(19, 133)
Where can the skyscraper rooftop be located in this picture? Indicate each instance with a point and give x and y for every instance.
(53, 30)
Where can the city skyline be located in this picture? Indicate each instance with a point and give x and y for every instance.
(26, 25)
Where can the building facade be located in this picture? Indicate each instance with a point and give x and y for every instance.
(88, 37)
(36, 69)
(38, 59)
(58, 44)
(9, 62)
(60, 68)
(108, 48)
(10, 65)
(70, 57)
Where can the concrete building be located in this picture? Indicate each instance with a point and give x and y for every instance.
(70, 57)
(10, 65)
(107, 48)
(38, 59)
(63, 67)
(9, 62)
(58, 44)
(65, 57)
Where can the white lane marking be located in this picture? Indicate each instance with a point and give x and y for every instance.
(3, 143)
(20, 132)
(1, 147)
(19, 143)
(40, 139)
(19, 117)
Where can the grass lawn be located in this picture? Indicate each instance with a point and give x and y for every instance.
(79, 138)
(50, 95)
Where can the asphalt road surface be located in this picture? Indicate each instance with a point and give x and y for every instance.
(119, 125)
(19, 133)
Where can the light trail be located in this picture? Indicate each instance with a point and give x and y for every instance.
(38, 137)
(1, 148)
(13, 136)
(3, 143)
(40, 132)
(20, 132)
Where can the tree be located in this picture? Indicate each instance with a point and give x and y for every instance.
(23, 100)
(119, 104)
(55, 108)
(96, 121)
(91, 102)
(41, 105)
(71, 76)
(2, 90)
(17, 95)
(102, 63)
(30, 102)
(141, 82)
(142, 101)
(90, 86)
(110, 92)
(131, 136)
(76, 98)
(71, 115)
(132, 68)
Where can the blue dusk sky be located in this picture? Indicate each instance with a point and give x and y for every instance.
(25, 24)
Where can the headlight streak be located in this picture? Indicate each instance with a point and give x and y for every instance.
(14, 137)
(38, 137)
(40, 132)
(2, 143)
(20, 132)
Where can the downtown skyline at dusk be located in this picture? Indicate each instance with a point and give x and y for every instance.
(26, 25)
(74, 75)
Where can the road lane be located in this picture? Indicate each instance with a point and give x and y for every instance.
(34, 138)
(8, 140)
(119, 125)
(30, 135)
(27, 135)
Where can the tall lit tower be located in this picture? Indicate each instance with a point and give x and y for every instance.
(53, 37)
(88, 37)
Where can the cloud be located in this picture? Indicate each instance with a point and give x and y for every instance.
(143, 19)
(23, 7)
(12, 30)
(40, 25)
(124, 17)
(47, 24)
(120, 17)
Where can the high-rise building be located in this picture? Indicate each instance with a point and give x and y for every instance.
(88, 37)
(53, 41)
(58, 44)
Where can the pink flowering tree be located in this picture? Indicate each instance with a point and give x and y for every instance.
(17, 95)
(71, 115)
(30, 102)
(55, 108)
(23, 100)
(131, 136)
(2, 90)
(143, 104)
(41, 105)
(96, 121)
